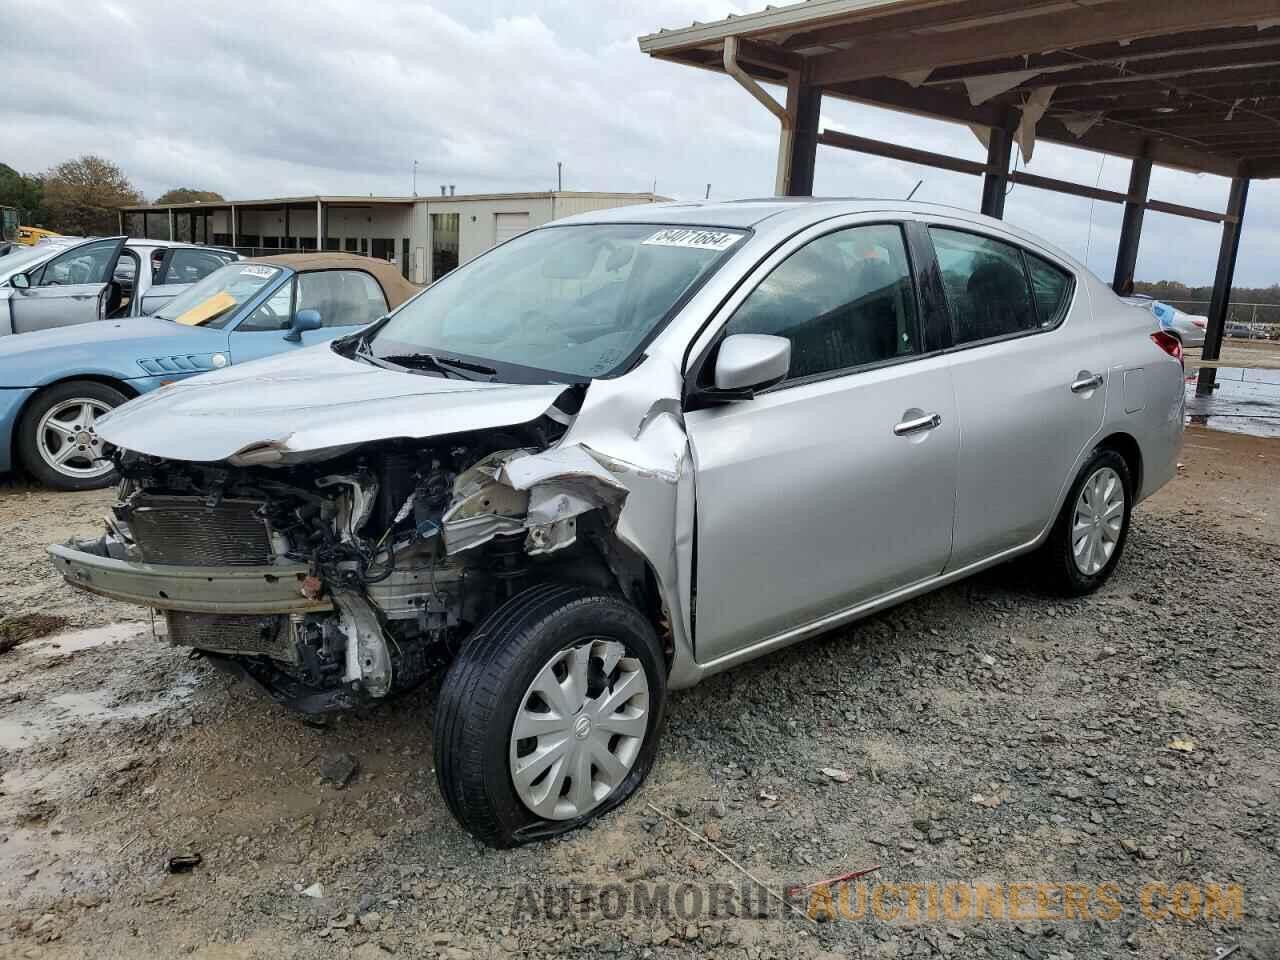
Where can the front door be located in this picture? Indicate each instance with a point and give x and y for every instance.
(837, 485)
(74, 287)
(1030, 380)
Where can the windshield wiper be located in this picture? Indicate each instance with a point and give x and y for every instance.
(442, 364)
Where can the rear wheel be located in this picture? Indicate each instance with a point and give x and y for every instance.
(550, 714)
(58, 442)
(1090, 532)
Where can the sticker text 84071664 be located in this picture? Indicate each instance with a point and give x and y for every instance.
(692, 237)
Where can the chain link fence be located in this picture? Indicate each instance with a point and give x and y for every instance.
(1245, 321)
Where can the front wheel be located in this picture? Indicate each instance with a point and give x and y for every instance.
(550, 715)
(1090, 532)
(58, 442)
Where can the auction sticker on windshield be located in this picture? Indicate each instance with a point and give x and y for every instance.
(254, 270)
(699, 239)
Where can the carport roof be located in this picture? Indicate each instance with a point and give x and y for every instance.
(1192, 84)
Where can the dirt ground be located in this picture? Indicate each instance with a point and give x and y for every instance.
(983, 734)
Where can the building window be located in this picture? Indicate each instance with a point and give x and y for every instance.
(444, 243)
(351, 245)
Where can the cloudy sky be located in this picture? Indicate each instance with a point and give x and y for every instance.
(283, 99)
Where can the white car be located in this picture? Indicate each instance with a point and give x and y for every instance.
(75, 281)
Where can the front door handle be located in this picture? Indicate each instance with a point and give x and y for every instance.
(929, 421)
(1086, 381)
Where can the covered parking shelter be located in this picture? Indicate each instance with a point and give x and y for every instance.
(1188, 84)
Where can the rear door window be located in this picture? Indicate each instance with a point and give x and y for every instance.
(1051, 287)
(188, 266)
(986, 285)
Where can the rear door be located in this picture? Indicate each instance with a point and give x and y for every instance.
(74, 287)
(180, 267)
(345, 299)
(1030, 378)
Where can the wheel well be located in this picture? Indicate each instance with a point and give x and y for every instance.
(1127, 447)
(111, 382)
(600, 559)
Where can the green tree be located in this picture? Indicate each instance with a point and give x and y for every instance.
(24, 192)
(83, 195)
(188, 195)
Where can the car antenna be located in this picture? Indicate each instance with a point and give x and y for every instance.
(919, 183)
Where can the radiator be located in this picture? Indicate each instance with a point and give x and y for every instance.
(186, 531)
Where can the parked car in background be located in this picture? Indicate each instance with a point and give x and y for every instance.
(627, 450)
(30, 236)
(1240, 331)
(1187, 327)
(99, 279)
(55, 384)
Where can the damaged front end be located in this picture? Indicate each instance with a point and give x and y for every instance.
(336, 580)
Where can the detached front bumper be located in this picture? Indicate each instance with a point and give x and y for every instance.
(270, 589)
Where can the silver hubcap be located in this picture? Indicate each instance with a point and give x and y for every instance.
(68, 441)
(579, 729)
(1095, 529)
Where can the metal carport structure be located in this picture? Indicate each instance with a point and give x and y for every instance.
(1189, 84)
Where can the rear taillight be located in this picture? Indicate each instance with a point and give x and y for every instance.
(1200, 322)
(1169, 344)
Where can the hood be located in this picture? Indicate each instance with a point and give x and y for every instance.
(295, 405)
(94, 334)
(108, 347)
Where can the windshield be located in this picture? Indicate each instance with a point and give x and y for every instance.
(19, 258)
(212, 301)
(567, 301)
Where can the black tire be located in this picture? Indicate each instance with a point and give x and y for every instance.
(483, 688)
(27, 441)
(1061, 573)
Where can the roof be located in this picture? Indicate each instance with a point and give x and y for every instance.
(359, 201)
(1194, 84)
(791, 213)
(738, 214)
(393, 284)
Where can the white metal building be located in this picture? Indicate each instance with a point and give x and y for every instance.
(427, 236)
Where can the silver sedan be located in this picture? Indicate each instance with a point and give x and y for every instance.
(628, 450)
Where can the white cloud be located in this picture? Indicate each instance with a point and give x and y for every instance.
(269, 99)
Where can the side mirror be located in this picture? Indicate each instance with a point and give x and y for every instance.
(303, 321)
(751, 361)
(20, 281)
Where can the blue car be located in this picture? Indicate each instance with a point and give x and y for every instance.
(55, 384)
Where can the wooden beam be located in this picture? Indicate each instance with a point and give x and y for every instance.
(1222, 281)
(1214, 83)
(1082, 25)
(1195, 213)
(1139, 51)
(769, 55)
(1171, 69)
(1066, 186)
(931, 15)
(941, 104)
(896, 151)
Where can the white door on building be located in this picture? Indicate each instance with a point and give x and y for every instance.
(508, 225)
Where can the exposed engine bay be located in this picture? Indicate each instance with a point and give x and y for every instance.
(391, 554)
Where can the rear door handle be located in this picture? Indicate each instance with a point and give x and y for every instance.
(1086, 381)
(928, 422)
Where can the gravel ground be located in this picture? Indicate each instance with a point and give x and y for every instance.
(983, 734)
